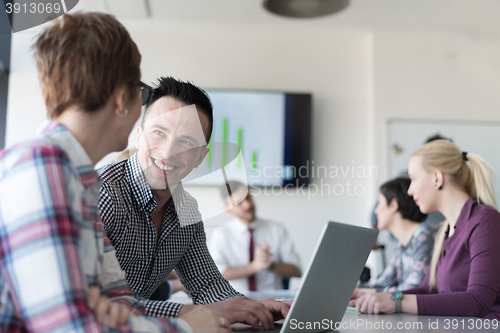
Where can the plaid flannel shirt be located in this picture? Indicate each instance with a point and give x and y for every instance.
(52, 246)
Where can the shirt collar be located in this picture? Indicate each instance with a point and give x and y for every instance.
(142, 191)
(243, 226)
(466, 212)
(58, 134)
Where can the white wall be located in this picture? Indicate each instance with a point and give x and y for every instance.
(433, 75)
(25, 106)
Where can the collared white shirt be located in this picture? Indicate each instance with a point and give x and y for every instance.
(229, 246)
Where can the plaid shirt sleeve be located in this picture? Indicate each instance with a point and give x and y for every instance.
(40, 263)
(39, 237)
(114, 285)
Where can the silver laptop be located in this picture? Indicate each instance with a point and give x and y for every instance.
(329, 280)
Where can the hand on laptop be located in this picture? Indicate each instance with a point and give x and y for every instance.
(204, 320)
(242, 310)
(279, 309)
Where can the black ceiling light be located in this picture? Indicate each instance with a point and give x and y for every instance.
(304, 8)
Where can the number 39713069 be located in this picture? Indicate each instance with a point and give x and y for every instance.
(33, 8)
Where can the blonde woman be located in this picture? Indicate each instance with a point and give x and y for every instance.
(464, 275)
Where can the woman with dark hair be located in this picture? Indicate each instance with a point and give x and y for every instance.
(397, 212)
(57, 267)
(464, 275)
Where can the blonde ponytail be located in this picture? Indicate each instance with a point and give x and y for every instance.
(477, 181)
(482, 175)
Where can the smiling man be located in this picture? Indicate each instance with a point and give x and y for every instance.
(175, 142)
(154, 225)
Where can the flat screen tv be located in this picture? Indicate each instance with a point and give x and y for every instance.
(259, 137)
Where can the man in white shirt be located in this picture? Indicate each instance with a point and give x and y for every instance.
(251, 253)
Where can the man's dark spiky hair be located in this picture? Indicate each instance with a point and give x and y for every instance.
(184, 92)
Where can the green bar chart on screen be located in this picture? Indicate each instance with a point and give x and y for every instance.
(209, 155)
(240, 144)
(247, 136)
(254, 160)
(224, 140)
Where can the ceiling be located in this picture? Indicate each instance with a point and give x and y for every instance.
(473, 17)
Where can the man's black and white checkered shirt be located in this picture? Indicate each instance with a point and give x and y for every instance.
(125, 205)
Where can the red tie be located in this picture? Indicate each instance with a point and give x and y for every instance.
(251, 279)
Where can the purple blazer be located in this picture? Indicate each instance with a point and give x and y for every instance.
(468, 271)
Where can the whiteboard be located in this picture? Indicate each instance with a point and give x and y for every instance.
(482, 138)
